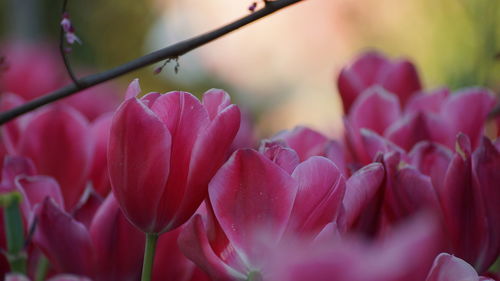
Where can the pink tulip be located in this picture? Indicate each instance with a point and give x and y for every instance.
(63, 277)
(371, 68)
(100, 129)
(163, 150)
(256, 205)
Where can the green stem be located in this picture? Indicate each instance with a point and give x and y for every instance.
(149, 256)
(42, 268)
(14, 231)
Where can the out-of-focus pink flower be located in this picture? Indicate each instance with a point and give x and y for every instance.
(472, 180)
(257, 204)
(99, 172)
(163, 150)
(58, 140)
(33, 70)
(449, 268)
(351, 259)
(399, 77)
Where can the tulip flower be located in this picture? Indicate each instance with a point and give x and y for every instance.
(162, 152)
(399, 77)
(257, 205)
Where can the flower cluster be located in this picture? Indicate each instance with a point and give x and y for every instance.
(411, 192)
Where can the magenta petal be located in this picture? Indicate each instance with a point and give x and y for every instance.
(87, 207)
(431, 102)
(376, 109)
(59, 143)
(420, 126)
(449, 268)
(37, 188)
(56, 232)
(134, 89)
(431, 159)
(185, 118)
(280, 154)
(375, 144)
(476, 103)
(215, 101)
(252, 197)
(486, 167)
(119, 247)
(150, 98)
(360, 75)
(363, 193)
(139, 163)
(319, 196)
(401, 78)
(194, 245)
(208, 154)
(11, 131)
(305, 141)
(466, 232)
(14, 166)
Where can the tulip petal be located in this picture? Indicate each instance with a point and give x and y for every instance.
(476, 103)
(100, 129)
(362, 197)
(305, 141)
(36, 189)
(449, 268)
(280, 154)
(251, 196)
(194, 245)
(320, 192)
(58, 141)
(427, 102)
(56, 232)
(215, 101)
(138, 175)
(134, 89)
(376, 109)
(170, 263)
(185, 118)
(431, 159)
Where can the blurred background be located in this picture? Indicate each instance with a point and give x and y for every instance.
(281, 69)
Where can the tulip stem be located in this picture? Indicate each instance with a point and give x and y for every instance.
(149, 256)
(42, 268)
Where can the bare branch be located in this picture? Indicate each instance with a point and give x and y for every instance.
(172, 51)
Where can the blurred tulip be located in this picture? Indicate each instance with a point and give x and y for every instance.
(164, 151)
(399, 77)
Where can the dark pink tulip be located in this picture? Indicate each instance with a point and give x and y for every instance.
(56, 233)
(257, 205)
(87, 207)
(472, 181)
(118, 246)
(162, 153)
(372, 68)
(280, 154)
(58, 141)
(11, 131)
(99, 172)
(449, 268)
(35, 189)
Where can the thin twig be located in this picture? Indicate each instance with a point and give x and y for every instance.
(63, 52)
(171, 51)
